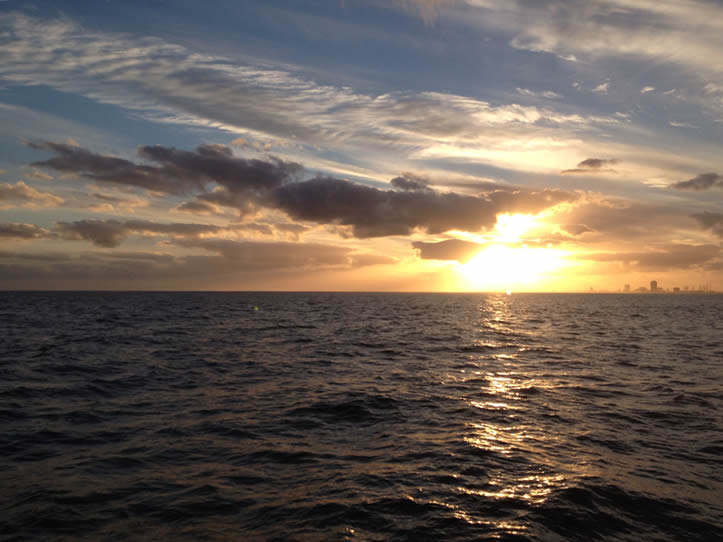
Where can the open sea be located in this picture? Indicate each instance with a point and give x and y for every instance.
(330, 416)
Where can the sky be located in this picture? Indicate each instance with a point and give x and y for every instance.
(375, 145)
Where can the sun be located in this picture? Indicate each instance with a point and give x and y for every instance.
(504, 268)
(507, 264)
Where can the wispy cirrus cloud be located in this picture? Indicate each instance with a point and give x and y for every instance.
(169, 83)
(686, 33)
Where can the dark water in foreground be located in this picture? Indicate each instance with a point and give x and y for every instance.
(360, 417)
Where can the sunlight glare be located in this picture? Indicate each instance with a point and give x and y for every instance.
(511, 227)
(504, 268)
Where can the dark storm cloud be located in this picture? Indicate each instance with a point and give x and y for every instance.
(704, 181)
(216, 163)
(21, 231)
(179, 171)
(450, 249)
(374, 213)
(592, 165)
(711, 221)
(70, 159)
(665, 258)
(248, 185)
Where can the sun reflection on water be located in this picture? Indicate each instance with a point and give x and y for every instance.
(501, 431)
(533, 489)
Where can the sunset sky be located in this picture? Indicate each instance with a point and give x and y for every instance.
(410, 145)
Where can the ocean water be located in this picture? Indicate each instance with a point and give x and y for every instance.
(322, 416)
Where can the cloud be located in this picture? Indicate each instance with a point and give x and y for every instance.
(372, 212)
(623, 221)
(21, 231)
(367, 260)
(200, 207)
(257, 256)
(179, 171)
(704, 181)
(689, 34)
(248, 185)
(39, 175)
(711, 221)
(165, 82)
(108, 203)
(677, 124)
(450, 249)
(666, 258)
(538, 94)
(290, 230)
(22, 195)
(263, 229)
(228, 264)
(576, 229)
(602, 88)
(409, 181)
(111, 233)
(428, 10)
(592, 165)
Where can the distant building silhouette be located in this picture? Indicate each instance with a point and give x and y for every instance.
(676, 289)
(653, 285)
(626, 288)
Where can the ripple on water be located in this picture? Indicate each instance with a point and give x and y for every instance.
(360, 417)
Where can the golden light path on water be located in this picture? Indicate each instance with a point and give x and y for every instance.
(502, 385)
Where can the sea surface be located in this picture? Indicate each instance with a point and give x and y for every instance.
(324, 416)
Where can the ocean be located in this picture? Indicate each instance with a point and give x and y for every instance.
(353, 416)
